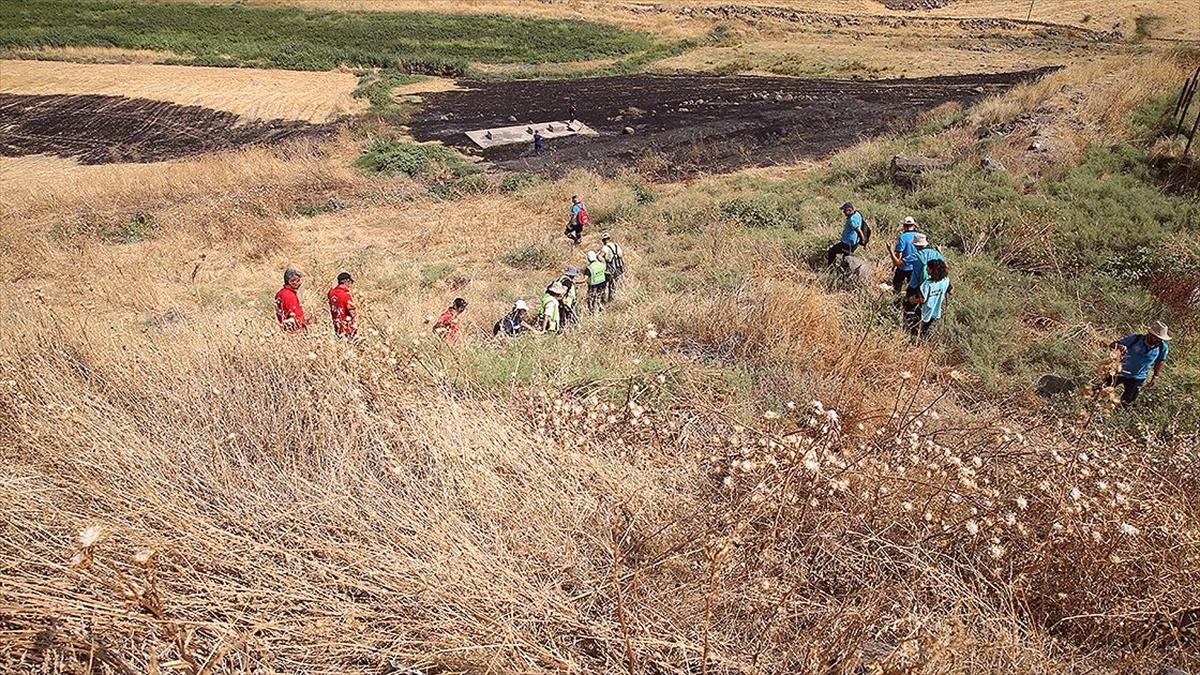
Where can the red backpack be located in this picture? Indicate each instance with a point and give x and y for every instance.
(583, 218)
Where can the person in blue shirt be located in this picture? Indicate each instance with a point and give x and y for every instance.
(903, 255)
(852, 234)
(1142, 356)
(577, 221)
(922, 257)
(930, 298)
(537, 142)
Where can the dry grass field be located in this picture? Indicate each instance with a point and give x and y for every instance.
(250, 92)
(739, 466)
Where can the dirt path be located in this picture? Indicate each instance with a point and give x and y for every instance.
(696, 123)
(105, 129)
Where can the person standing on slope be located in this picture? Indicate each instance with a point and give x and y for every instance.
(931, 296)
(852, 234)
(342, 308)
(287, 303)
(551, 319)
(923, 256)
(566, 306)
(1142, 356)
(578, 220)
(903, 254)
(597, 282)
(614, 264)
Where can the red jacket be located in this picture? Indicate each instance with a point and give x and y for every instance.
(447, 325)
(341, 308)
(289, 312)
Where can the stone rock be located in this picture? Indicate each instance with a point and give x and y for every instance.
(906, 169)
(334, 204)
(859, 271)
(512, 118)
(992, 166)
(1051, 385)
(627, 130)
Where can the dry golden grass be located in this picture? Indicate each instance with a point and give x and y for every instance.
(188, 490)
(92, 54)
(249, 92)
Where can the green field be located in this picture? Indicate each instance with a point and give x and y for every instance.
(237, 35)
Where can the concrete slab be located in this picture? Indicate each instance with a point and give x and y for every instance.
(523, 133)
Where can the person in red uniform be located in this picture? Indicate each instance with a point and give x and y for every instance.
(341, 307)
(287, 303)
(447, 323)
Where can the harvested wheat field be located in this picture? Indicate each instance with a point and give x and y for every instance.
(742, 461)
(250, 93)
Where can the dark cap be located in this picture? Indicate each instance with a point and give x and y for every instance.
(847, 205)
(344, 277)
(460, 304)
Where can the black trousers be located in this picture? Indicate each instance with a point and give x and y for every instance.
(900, 279)
(839, 248)
(1131, 386)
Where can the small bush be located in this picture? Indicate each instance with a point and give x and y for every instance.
(452, 189)
(756, 213)
(531, 257)
(139, 227)
(431, 274)
(516, 182)
(400, 158)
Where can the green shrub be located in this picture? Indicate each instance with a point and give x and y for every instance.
(756, 213)
(139, 227)
(431, 274)
(457, 188)
(516, 182)
(531, 257)
(401, 158)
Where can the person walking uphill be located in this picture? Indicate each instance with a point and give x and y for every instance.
(1142, 356)
(341, 307)
(614, 264)
(578, 220)
(852, 234)
(903, 254)
(597, 282)
(287, 303)
(447, 323)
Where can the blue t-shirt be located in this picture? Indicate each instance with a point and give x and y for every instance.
(575, 209)
(920, 260)
(934, 293)
(906, 250)
(1139, 357)
(850, 229)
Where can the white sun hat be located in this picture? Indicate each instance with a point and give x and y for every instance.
(520, 304)
(920, 240)
(1159, 330)
(909, 221)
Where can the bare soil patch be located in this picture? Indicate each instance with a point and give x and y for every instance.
(695, 123)
(108, 129)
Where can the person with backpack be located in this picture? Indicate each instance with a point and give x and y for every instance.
(578, 220)
(1142, 356)
(551, 321)
(903, 254)
(567, 304)
(597, 282)
(614, 264)
(537, 142)
(855, 232)
(924, 254)
(931, 296)
(513, 323)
